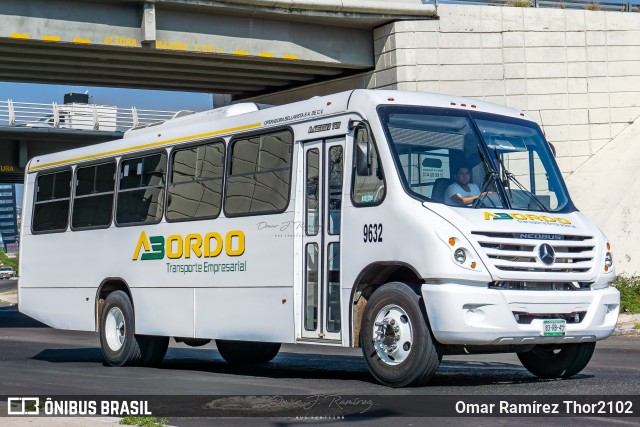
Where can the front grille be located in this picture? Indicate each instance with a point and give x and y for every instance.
(539, 286)
(518, 251)
(527, 318)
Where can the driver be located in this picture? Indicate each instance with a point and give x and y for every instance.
(462, 192)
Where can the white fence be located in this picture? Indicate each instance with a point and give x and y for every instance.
(78, 116)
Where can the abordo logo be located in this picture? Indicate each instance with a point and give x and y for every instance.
(176, 246)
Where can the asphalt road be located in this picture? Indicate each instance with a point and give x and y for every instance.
(35, 359)
(7, 285)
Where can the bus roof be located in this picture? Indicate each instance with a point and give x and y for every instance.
(250, 116)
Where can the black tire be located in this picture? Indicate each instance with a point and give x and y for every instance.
(135, 350)
(119, 325)
(557, 361)
(247, 352)
(418, 358)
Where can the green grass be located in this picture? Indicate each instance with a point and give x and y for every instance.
(629, 287)
(144, 421)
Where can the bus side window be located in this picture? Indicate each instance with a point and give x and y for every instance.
(93, 198)
(195, 185)
(368, 178)
(140, 191)
(51, 209)
(259, 174)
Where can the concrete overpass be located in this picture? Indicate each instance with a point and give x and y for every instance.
(237, 47)
(28, 130)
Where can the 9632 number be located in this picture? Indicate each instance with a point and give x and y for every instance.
(372, 233)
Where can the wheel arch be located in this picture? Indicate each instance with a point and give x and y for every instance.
(109, 285)
(371, 278)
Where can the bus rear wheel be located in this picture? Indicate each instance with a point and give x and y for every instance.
(247, 352)
(120, 345)
(557, 360)
(395, 337)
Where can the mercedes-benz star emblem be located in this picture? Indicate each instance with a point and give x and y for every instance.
(547, 254)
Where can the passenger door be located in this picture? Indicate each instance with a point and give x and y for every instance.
(323, 175)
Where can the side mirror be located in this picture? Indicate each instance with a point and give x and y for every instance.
(363, 166)
(553, 149)
(363, 153)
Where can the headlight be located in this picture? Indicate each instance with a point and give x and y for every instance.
(608, 261)
(461, 254)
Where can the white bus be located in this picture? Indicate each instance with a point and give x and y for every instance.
(327, 221)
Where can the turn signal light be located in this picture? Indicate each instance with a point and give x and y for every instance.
(473, 264)
(608, 246)
(452, 241)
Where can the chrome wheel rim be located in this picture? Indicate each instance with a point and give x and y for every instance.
(392, 335)
(115, 329)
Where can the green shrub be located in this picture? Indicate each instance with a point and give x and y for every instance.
(592, 6)
(629, 288)
(519, 3)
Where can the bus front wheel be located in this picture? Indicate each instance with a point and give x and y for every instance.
(120, 345)
(557, 361)
(395, 337)
(247, 352)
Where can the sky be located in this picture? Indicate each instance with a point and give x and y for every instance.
(125, 98)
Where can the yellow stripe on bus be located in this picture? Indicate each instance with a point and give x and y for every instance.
(81, 40)
(51, 38)
(290, 56)
(145, 146)
(20, 36)
(240, 52)
(266, 54)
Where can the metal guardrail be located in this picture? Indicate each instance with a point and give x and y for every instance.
(607, 6)
(78, 116)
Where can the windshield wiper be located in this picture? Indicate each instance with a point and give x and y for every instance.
(490, 176)
(511, 177)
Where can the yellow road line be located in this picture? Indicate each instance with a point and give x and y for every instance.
(145, 146)
(20, 36)
(51, 38)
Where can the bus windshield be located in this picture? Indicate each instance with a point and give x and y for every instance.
(473, 159)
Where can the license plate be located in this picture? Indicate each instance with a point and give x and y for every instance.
(553, 327)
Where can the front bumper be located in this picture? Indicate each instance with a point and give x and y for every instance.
(476, 315)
